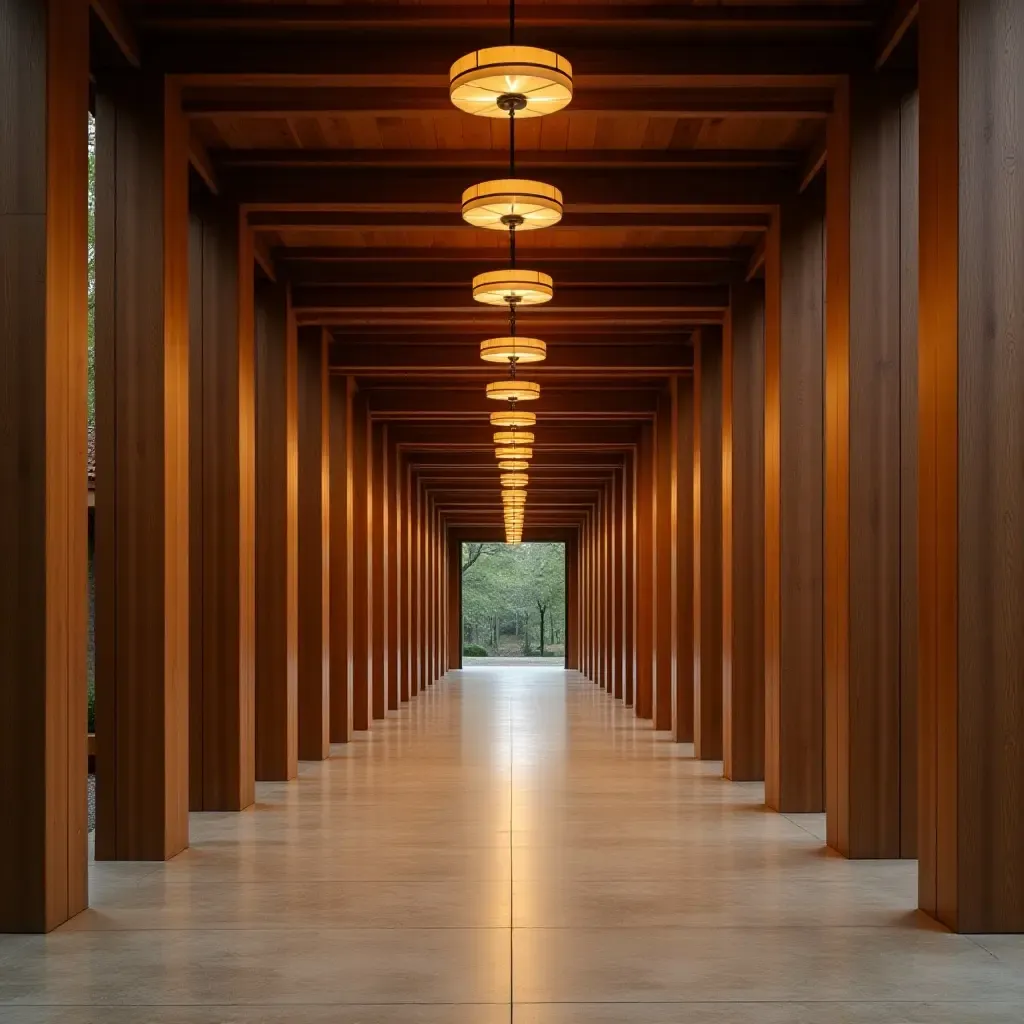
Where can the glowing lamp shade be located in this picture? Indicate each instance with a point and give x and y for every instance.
(504, 437)
(513, 480)
(513, 418)
(527, 204)
(522, 287)
(514, 540)
(513, 390)
(513, 452)
(507, 350)
(513, 465)
(542, 79)
(514, 497)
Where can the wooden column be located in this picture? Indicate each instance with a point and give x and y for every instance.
(618, 637)
(377, 525)
(277, 725)
(572, 603)
(44, 56)
(601, 589)
(584, 599)
(707, 553)
(684, 540)
(419, 670)
(663, 572)
(794, 506)
(408, 552)
(394, 571)
(313, 553)
(871, 470)
(362, 582)
(341, 398)
(743, 535)
(629, 574)
(142, 406)
(222, 770)
(645, 575)
(971, 495)
(454, 585)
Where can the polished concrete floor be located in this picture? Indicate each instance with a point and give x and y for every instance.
(513, 846)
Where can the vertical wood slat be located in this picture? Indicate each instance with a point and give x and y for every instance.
(628, 544)
(743, 540)
(645, 584)
(313, 552)
(276, 358)
(362, 581)
(664, 528)
(794, 512)
(341, 394)
(394, 561)
(684, 558)
(43, 303)
(377, 526)
(142, 405)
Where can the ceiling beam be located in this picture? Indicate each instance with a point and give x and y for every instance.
(375, 101)
(901, 17)
(423, 57)
(365, 220)
(526, 159)
(815, 163)
(365, 255)
(361, 16)
(115, 21)
(459, 435)
(554, 404)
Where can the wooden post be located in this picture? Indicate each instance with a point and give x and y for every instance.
(707, 553)
(277, 726)
(44, 56)
(142, 513)
(743, 535)
(629, 541)
(314, 580)
(663, 529)
(684, 542)
(794, 506)
(377, 526)
(645, 575)
(222, 540)
(341, 397)
(362, 582)
(971, 492)
(871, 470)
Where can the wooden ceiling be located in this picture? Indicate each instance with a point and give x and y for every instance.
(690, 122)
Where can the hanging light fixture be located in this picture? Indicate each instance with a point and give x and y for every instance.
(513, 286)
(496, 204)
(513, 437)
(513, 452)
(513, 390)
(513, 465)
(514, 480)
(538, 81)
(513, 350)
(514, 497)
(513, 418)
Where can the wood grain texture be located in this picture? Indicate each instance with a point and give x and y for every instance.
(869, 462)
(707, 447)
(684, 558)
(971, 447)
(340, 395)
(377, 525)
(44, 107)
(794, 509)
(362, 581)
(276, 536)
(313, 551)
(663, 570)
(392, 471)
(629, 577)
(743, 658)
(645, 576)
(142, 585)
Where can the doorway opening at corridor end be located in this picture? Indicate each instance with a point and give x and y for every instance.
(513, 603)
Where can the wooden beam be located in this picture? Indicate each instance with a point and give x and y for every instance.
(115, 21)
(558, 403)
(434, 256)
(804, 59)
(815, 163)
(902, 16)
(263, 255)
(308, 220)
(389, 101)
(337, 17)
(756, 264)
(525, 158)
(199, 158)
(440, 189)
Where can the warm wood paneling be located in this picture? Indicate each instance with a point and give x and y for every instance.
(222, 536)
(869, 462)
(684, 541)
(794, 508)
(44, 108)
(377, 527)
(340, 397)
(707, 560)
(663, 527)
(971, 450)
(358, 525)
(142, 504)
(629, 577)
(313, 552)
(645, 575)
(743, 522)
(276, 536)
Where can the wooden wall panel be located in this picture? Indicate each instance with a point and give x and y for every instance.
(362, 582)
(394, 562)
(341, 398)
(870, 806)
(377, 527)
(44, 54)
(629, 577)
(313, 552)
(663, 569)
(794, 509)
(707, 559)
(645, 576)
(971, 838)
(684, 557)
(743, 659)
(277, 747)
